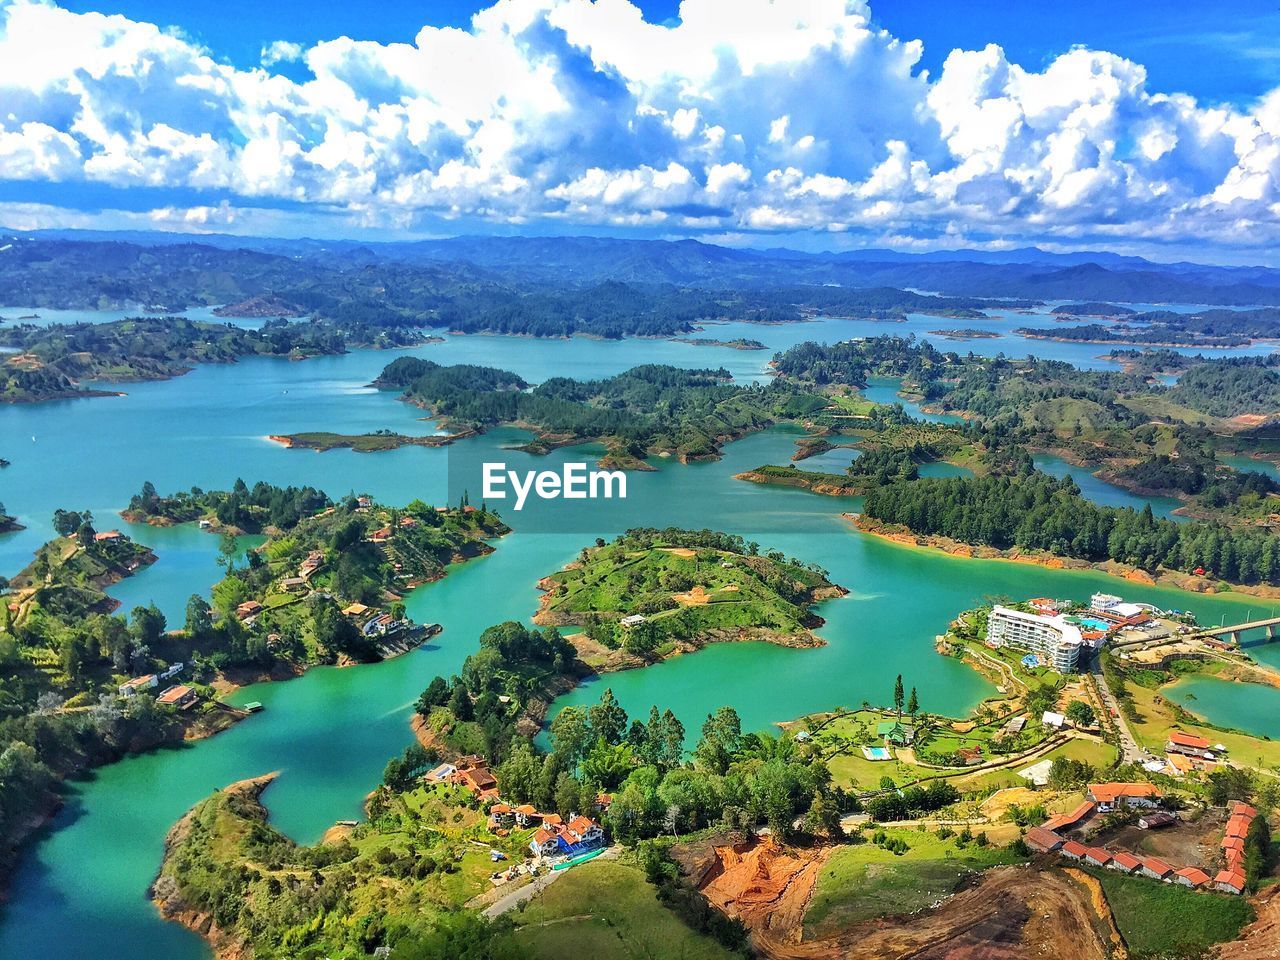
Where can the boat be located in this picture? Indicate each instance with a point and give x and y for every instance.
(253, 706)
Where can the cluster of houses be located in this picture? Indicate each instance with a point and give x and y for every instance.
(1241, 818)
(175, 695)
(553, 838)
(1109, 797)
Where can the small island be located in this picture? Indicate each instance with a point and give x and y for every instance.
(653, 593)
(739, 343)
(966, 333)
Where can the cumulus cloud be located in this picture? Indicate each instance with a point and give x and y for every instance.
(744, 116)
(281, 51)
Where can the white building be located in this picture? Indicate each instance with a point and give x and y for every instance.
(1056, 640)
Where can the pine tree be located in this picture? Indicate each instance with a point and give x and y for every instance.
(898, 695)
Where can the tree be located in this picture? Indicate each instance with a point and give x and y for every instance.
(436, 695)
(518, 774)
(721, 740)
(570, 735)
(1080, 714)
(913, 704)
(607, 765)
(67, 522)
(199, 623)
(228, 548)
(607, 718)
(898, 695)
(148, 625)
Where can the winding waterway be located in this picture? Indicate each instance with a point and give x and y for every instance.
(80, 892)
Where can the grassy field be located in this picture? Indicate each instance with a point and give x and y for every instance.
(849, 766)
(1166, 920)
(1156, 719)
(866, 881)
(607, 911)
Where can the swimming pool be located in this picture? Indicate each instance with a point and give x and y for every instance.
(1094, 624)
(877, 753)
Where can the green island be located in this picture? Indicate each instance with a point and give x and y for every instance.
(650, 593)
(648, 410)
(738, 343)
(966, 333)
(8, 523)
(83, 686)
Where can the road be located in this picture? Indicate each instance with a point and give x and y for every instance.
(1130, 752)
(526, 893)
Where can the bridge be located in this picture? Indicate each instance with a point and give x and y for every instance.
(1231, 631)
(1235, 630)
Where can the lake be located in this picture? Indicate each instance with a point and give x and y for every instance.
(80, 892)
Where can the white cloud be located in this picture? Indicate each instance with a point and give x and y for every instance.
(748, 115)
(281, 51)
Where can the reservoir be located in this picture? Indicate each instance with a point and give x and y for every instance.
(80, 891)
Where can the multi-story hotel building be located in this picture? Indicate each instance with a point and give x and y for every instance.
(1052, 638)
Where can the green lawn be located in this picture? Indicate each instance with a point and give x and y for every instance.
(866, 881)
(607, 911)
(1165, 920)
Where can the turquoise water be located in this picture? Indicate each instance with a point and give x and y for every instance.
(80, 892)
(885, 390)
(1107, 494)
(1249, 463)
(1251, 707)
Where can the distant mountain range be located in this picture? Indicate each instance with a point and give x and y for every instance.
(1027, 273)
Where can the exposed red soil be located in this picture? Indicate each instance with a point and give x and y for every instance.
(1009, 913)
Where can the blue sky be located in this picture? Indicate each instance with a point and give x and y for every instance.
(1142, 127)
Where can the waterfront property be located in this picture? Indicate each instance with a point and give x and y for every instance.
(1191, 745)
(180, 696)
(1053, 638)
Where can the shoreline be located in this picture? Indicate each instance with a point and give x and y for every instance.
(1163, 578)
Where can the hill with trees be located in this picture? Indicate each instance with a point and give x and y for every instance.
(650, 591)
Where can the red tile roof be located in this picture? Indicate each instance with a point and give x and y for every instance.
(1196, 876)
(1074, 849)
(1233, 878)
(1239, 807)
(1042, 839)
(1238, 826)
(1111, 792)
(1157, 866)
(542, 836)
(1127, 860)
(174, 694)
(1098, 856)
(1064, 820)
(1188, 740)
